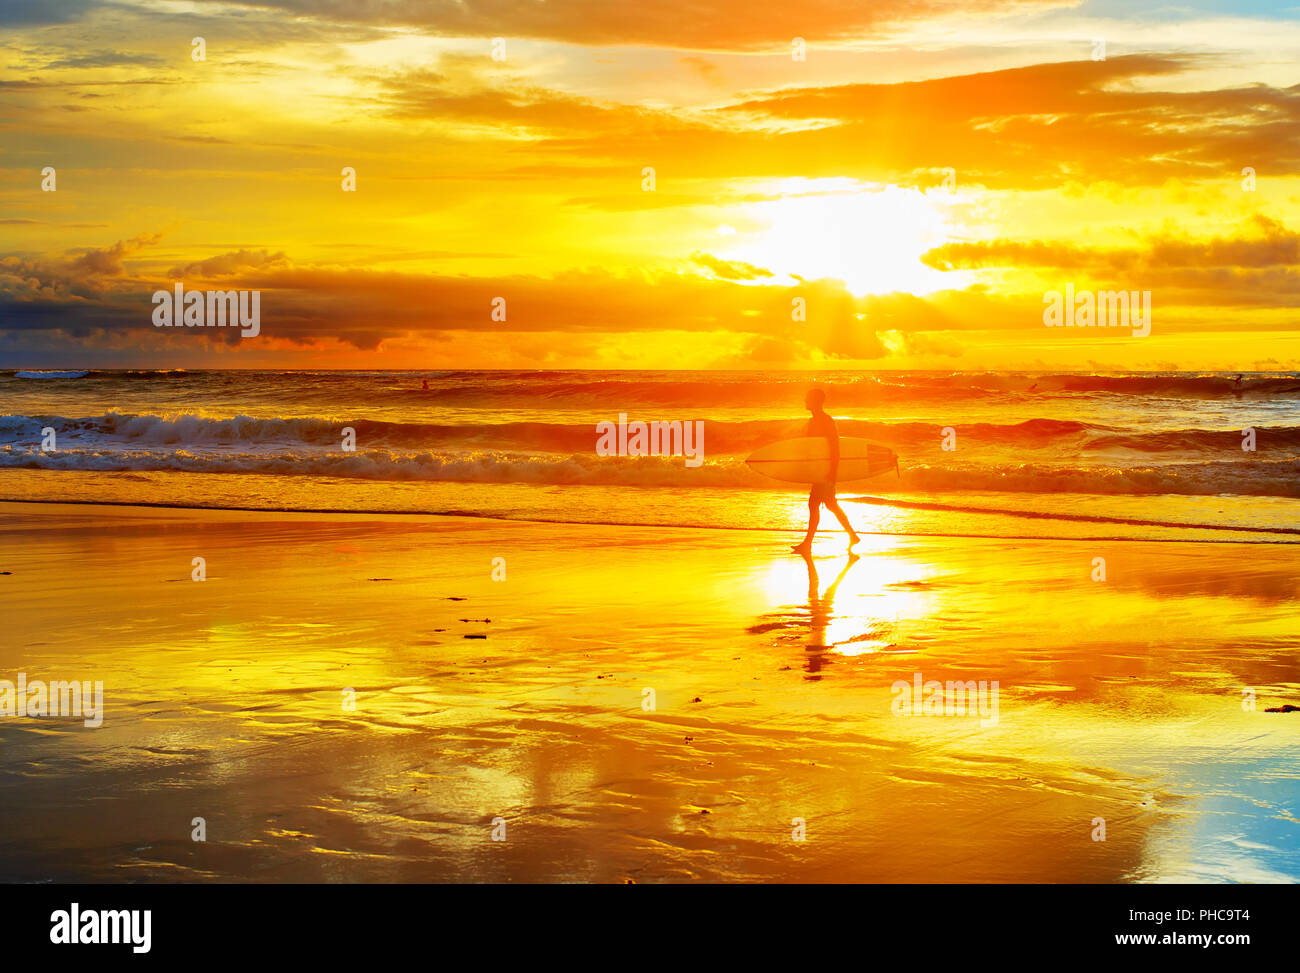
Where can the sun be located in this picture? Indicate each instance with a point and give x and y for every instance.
(871, 239)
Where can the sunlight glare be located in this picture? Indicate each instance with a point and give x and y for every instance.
(872, 240)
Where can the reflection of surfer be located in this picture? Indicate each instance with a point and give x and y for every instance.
(823, 494)
(819, 609)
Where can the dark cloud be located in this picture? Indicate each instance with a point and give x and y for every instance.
(306, 305)
(104, 59)
(30, 13)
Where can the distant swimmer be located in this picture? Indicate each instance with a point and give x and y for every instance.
(823, 494)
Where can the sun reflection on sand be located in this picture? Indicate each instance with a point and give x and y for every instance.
(851, 604)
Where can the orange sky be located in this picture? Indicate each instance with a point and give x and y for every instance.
(920, 179)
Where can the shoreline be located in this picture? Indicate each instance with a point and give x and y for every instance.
(864, 531)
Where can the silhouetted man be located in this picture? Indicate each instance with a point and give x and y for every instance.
(823, 494)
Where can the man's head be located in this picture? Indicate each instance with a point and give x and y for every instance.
(814, 400)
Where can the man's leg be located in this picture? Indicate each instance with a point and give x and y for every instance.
(833, 506)
(814, 518)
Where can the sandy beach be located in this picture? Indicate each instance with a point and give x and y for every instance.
(524, 700)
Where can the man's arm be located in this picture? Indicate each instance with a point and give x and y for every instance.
(833, 437)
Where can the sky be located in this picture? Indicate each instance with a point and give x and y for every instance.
(679, 184)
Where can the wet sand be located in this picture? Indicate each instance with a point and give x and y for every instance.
(1119, 699)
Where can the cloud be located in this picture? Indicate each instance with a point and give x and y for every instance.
(706, 69)
(107, 261)
(1038, 126)
(104, 59)
(31, 13)
(730, 269)
(769, 350)
(307, 305)
(713, 25)
(1262, 242)
(225, 264)
(464, 90)
(84, 287)
(1254, 268)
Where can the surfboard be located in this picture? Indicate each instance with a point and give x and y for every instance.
(807, 460)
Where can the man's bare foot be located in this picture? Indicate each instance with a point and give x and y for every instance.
(853, 538)
(804, 548)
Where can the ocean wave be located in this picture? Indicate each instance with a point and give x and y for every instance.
(1183, 386)
(681, 394)
(1256, 477)
(1164, 384)
(693, 390)
(766, 390)
(1068, 438)
(472, 467)
(197, 429)
(129, 373)
(1193, 440)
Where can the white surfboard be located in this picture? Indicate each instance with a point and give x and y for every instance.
(807, 460)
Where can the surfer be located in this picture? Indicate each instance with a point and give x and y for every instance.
(823, 494)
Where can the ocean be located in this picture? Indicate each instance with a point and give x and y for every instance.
(1139, 455)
